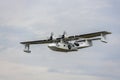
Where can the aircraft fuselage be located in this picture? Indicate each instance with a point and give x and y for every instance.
(68, 47)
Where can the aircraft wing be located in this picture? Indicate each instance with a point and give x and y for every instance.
(69, 38)
(89, 35)
(38, 42)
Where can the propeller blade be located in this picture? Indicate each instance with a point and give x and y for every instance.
(64, 34)
(51, 36)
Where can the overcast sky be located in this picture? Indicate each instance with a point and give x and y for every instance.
(22, 20)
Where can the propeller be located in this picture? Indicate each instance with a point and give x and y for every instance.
(64, 34)
(51, 36)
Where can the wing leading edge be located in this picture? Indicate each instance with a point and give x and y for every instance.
(89, 35)
(37, 42)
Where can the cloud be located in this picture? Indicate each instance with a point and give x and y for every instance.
(15, 71)
(52, 14)
(18, 71)
(34, 19)
(92, 66)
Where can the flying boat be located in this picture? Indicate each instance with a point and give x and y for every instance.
(68, 43)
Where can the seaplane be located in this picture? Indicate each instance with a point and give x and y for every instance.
(68, 43)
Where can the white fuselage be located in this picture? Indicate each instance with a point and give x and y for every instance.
(68, 47)
(62, 47)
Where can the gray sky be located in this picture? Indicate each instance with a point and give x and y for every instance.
(22, 20)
